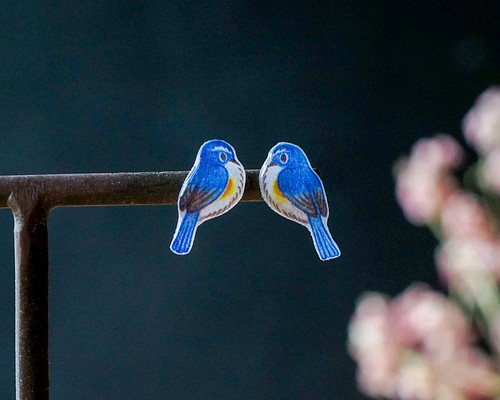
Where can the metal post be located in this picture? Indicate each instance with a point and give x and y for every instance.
(32, 290)
(31, 197)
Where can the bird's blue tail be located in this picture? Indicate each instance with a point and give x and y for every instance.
(323, 241)
(184, 234)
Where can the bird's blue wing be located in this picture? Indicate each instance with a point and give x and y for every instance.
(304, 190)
(203, 188)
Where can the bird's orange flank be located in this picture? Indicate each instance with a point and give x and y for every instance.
(278, 193)
(229, 189)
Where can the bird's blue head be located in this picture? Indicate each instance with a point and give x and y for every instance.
(217, 152)
(287, 155)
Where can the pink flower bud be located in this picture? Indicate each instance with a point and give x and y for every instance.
(481, 125)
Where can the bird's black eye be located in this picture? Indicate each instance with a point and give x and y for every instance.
(284, 158)
(223, 157)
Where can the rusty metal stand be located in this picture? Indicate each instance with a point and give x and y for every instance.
(31, 197)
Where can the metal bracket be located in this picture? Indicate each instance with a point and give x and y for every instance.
(31, 197)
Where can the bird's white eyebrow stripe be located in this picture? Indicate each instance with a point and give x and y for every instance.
(223, 148)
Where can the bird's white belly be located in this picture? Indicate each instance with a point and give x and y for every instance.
(275, 199)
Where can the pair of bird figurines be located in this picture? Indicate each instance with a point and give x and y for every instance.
(288, 184)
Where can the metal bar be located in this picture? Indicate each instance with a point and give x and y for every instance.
(138, 188)
(31, 197)
(32, 291)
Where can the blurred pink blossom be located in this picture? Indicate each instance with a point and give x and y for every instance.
(481, 125)
(464, 215)
(372, 346)
(472, 244)
(439, 152)
(490, 171)
(471, 374)
(418, 346)
(427, 320)
(463, 260)
(422, 181)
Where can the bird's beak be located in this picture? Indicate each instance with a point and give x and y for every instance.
(271, 164)
(234, 161)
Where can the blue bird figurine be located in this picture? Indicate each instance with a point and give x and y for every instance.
(291, 188)
(214, 185)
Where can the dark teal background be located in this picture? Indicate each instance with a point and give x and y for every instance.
(251, 312)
